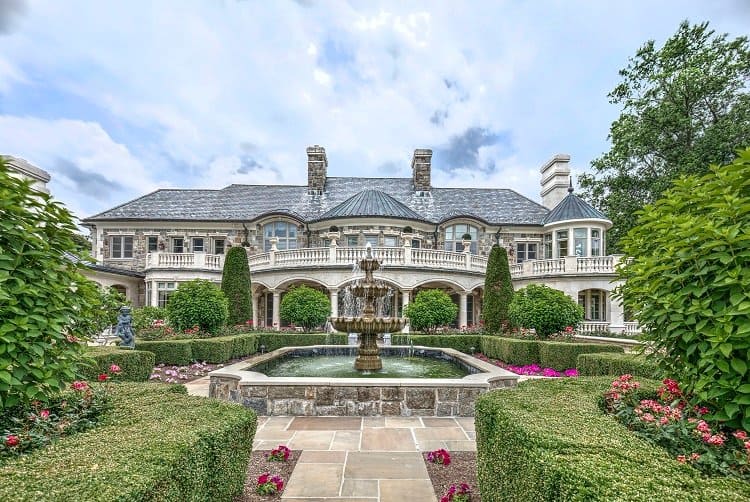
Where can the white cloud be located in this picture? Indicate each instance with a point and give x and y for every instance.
(321, 77)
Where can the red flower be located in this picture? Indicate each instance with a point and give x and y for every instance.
(263, 478)
(80, 385)
(102, 377)
(114, 368)
(12, 441)
(44, 414)
(681, 459)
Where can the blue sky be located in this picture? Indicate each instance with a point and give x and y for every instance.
(116, 99)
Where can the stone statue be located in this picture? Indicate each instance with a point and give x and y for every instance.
(124, 328)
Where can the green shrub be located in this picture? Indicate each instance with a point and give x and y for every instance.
(462, 343)
(178, 352)
(430, 310)
(212, 350)
(617, 364)
(43, 296)
(273, 341)
(548, 440)
(156, 444)
(244, 345)
(511, 350)
(235, 283)
(564, 355)
(498, 291)
(197, 303)
(546, 310)
(136, 365)
(144, 317)
(688, 286)
(306, 307)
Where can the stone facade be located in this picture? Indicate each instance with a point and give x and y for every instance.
(421, 164)
(317, 168)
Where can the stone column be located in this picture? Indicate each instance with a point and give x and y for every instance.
(615, 314)
(154, 295)
(334, 302)
(254, 301)
(404, 302)
(276, 305)
(462, 317)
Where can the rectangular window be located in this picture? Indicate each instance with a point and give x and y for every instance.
(269, 309)
(372, 239)
(121, 246)
(153, 243)
(148, 293)
(325, 243)
(548, 246)
(389, 241)
(596, 243)
(198, 245)
(218, 246)
(596, 307)
(582, 303)
(525, 251)
(164, 290)
(579, 234)
(178, 245)
(416, 243)
(470, 310)
(562, 243)
(352, 240)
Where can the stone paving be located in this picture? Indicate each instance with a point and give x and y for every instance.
(359, 459)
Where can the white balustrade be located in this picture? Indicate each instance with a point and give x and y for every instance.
(632, 328)
(190, 261)
(601, 264)
(588, 327)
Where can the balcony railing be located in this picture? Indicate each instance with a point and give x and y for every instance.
(347, 256)
(185, 261)
(570, 265)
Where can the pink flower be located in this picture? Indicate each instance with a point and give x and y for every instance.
(263, 478)
(747, 445)
(102, 377)
(44, 414)
(663, 420)
(571, 372)
(647, 417)
(681, 459)
(741, 435)
(694, 456)
(703, 426)
(80, 385)
(114, 368)
(12, 441)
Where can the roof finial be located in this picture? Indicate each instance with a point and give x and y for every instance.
(570, 188)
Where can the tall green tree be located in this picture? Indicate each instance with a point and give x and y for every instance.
(685, 106)
(235, 283)
(44, 299)
(498, 291)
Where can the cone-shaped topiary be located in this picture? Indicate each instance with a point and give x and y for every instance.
(498, 291)
(235, 283)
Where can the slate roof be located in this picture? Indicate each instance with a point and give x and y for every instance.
(496, 206)
(573, 207)
(371, 203)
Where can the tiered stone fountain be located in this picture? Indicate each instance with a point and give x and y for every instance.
(368, 326)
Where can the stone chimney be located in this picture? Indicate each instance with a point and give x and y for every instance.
(421, 163)
(555, 180)
(317, 169)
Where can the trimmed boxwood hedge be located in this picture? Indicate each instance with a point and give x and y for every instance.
(273, 341)
(462, 343)
(511, 350)
(135, 365)
(548, 440)
(564, 355)
(155, 444)
(617, 364)
(219, 349)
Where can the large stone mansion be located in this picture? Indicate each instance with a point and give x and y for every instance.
(426, 237)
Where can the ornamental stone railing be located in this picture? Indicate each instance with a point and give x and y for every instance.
(570, 265)
(184, 261)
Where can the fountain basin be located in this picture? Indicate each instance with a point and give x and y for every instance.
(328, 396)
(368, 324)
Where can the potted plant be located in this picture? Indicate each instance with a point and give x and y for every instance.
(466, 241)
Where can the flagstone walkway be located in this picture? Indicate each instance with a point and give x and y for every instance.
(359, 459)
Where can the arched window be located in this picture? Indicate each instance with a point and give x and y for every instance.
(285, 232)
(454, 236)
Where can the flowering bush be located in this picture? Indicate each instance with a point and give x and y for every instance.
(457, 493)
(440, 456)
(530, 369)
(25, 429)
(667, 420)
(279, 454)
(269, 485)
(179, 374)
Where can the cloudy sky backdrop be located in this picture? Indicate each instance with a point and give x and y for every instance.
(116, 99)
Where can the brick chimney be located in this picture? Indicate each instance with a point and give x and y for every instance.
(317, 169)
(420, 169)
(555, 180)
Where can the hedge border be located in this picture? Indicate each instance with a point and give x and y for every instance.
(218, 349)
(155, 444)
(462, 343)
(617, 364)
(548, 440)
(135, 365)
(273, 341)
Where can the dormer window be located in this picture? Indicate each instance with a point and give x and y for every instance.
(285, 232)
